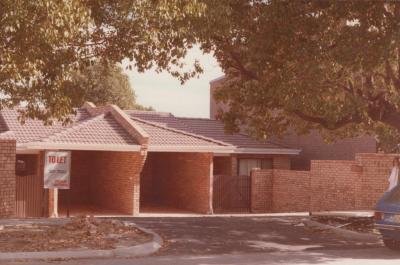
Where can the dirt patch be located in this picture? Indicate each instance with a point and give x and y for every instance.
(79, 233)
(358, 224)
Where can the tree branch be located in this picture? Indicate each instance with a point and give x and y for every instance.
(351, 118)
(238, 65)
(390, 74)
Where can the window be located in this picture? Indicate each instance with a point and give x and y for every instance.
(246, 165)
(26, 165)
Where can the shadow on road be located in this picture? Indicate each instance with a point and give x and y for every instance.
(235, 235)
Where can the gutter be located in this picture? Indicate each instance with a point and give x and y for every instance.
(269, 151)
(191, 148)
(83, 147)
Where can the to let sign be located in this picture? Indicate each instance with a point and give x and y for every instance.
(57, 170)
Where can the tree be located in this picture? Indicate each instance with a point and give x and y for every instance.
(44, 42)
(326, 65)
(103, 84)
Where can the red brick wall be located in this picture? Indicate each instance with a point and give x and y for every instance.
(291, 191)
(81, 166)
(330, 185)
(7, 178)
(115, 182)
(108, 180)
(262, 191)
(282, 162)
(333, 185)
(374, 182)
(222, 165)
(148, 194)
(179, 180)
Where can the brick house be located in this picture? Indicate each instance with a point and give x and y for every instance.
(124, 162)
(313, 146)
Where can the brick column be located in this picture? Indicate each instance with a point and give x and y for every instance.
(261, 191)
(7, 178)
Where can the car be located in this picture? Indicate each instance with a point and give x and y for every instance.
(387, 218)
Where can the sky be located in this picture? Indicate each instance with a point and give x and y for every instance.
(165, 93)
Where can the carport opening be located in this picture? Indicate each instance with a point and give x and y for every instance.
(173, 182)
(95, 187)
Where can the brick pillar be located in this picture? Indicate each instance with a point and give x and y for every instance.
(261, 191)
(234, 165)
(7, 178)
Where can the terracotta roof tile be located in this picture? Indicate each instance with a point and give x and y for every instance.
(35, 130)
(160, 135)
(209, 128)
(101, 129)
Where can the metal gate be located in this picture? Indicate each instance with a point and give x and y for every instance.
(29, 197)
(231, 194)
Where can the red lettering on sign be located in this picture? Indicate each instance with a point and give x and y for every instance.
(57, 159)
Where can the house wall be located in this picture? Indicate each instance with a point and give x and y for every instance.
(178, 180)
(222, 165)
(116, 180)
(7, 178)
(109, 180)
(330, 185)
(312, 145)
(228, 165)
(81, 167)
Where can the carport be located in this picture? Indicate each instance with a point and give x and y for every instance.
(177, 173)
(107, 156)
(102, 183)
(176, 182)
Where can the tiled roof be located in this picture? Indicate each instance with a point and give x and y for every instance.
(104, 127)
(35, 130)
(101, 129)
(212, 129)
(160, 135)
(215, 129)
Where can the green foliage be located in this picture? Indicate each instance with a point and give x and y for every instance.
(333, 66)
(103, 84)
(44, 42)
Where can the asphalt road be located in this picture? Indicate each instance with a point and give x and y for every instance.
(247, 240)
(235, 235)
(373, 256)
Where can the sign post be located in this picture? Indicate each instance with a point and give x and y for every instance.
(57, 175)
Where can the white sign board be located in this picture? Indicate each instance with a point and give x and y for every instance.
(57, 170)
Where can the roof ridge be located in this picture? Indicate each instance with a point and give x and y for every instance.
(5, 123)
(149, 111)
(196, 118)
(73, 127)
(181, 131)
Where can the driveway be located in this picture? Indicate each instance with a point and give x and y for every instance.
(246, 240)
(235, 235)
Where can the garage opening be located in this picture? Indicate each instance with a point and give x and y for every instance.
(174, 182)
(102, 183)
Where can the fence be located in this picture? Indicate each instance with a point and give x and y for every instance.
(330, 185)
